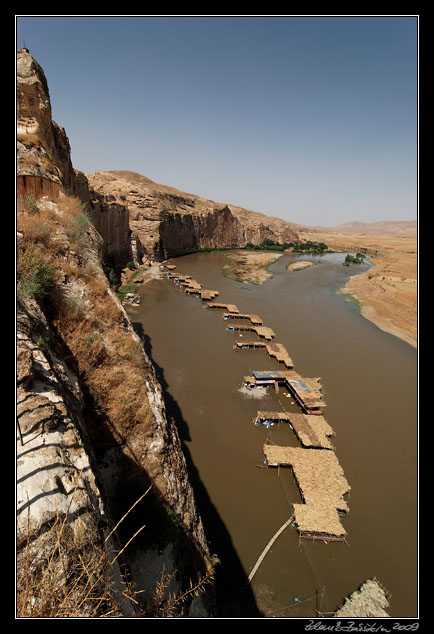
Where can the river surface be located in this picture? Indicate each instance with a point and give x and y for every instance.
(369, 380)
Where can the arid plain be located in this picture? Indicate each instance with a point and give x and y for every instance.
(387, 293)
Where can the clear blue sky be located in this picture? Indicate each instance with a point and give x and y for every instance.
(311, 119)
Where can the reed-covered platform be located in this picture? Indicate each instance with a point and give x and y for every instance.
(269, 418)
(369, 601)
(275, 350)
(255, 320)
(230, 308)
(306, 392)
(262, 331)
(312, 431)
(207, 295)
(322, 485)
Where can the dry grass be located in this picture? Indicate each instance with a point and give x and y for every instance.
(64, 576)
(89, 318)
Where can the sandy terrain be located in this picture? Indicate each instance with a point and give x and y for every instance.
(298, 266)
(388, 292)
(250, 266)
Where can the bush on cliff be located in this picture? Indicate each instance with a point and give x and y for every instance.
(35, 275)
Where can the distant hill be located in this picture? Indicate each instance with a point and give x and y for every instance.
(396, 228)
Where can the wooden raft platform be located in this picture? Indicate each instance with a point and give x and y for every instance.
(178, 277)
(256, 321)
(265, 418)
(208, 295)
(261, 331)
(322, 485)
(190, 285)
(231, 308)
(275, 350)
(306, 392)
(369, 601)
(312, 431)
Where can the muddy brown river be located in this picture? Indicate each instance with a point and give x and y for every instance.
(369, 380)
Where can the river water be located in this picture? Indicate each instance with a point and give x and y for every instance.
(369, 380)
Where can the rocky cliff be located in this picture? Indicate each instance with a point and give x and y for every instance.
(166, 222)
(95, 446)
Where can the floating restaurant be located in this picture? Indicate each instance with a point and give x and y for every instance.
(306, 392)
(208, 295)
(322, 486)
(369, 601)
(230, 308)
(311, 430)
(256, 321)
(275, 350)
(261, 331)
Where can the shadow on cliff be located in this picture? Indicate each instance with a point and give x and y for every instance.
(234, 596)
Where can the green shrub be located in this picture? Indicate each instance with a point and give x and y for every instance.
(35, 275)
(30, 202)
(77, 227)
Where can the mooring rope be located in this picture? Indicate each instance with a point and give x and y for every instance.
(267, 548)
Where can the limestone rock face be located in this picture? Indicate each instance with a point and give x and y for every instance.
(42, 145)
(167, 222)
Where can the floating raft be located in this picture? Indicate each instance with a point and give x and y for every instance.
(190, 285)
(256, 321)
(275, 350)
(369, 601)
(208, 295)
(230, 308)
(269, 418)
(312, 431)
(131, 298)
(261, 331)
(178, 278)
(322, 485)
(306, 392)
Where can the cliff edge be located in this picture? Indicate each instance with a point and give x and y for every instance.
(105, 506)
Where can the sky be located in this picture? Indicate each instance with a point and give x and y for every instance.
(313, 119)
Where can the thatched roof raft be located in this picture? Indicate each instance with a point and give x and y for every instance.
(322, 485)
(369, 601)
(312, 430)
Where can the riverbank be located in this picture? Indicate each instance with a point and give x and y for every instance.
(387, 293)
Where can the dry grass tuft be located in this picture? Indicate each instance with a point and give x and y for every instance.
(63, 576)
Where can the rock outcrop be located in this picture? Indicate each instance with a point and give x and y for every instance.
(42, 145)
(78, 468)
(166, 222)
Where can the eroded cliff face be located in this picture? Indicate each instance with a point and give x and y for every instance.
(42, 145)
(166, 222)
(93, 434)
